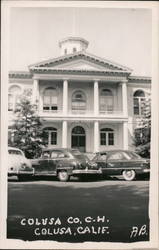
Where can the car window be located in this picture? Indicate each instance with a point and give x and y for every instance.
(14, 152)
(54, 154)
(132, 155)
(46, 154)
(102, 157)
(117, 156)
(78, 155)
(62, 155)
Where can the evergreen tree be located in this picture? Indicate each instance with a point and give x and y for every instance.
(28, 133)
(142, 136)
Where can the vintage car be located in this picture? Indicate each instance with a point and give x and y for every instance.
(18, 164)
(122, 162)
(64, 163)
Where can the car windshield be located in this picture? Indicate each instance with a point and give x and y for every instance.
(131, 155)
(14, 152)
(46, 154)
(77, 154)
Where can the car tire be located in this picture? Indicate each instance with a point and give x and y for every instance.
(63, 175)
(129, 175)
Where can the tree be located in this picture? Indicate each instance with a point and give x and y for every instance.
(28, 133)
(142, 135)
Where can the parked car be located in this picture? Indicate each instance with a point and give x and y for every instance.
(122, 162)
(64, 163)
(18, 164)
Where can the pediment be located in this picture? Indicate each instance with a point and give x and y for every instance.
(80, 65)
(80, 61)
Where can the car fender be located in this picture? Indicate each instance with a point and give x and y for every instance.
(66, 168)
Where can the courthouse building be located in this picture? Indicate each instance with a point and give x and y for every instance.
(84, 101)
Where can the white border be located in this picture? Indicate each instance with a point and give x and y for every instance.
(154, 236)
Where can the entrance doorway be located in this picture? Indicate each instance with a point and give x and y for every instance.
(78, 139)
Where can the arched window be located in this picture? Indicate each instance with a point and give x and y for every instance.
(78, 101)
(13, 97)
(50, 135)
(106, 100)
(78, 130)
(106, 137)
(139, 98)
(50, 99)
(78, 138)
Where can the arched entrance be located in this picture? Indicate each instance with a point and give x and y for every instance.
(78, 138)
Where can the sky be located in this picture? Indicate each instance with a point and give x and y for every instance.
(120, 35)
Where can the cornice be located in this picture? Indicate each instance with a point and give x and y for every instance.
(81, 55)
(73, 39)
(20, 75)
(45, 70)
(139, 79)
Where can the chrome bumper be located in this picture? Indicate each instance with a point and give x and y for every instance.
(13, 173)
(146, 170)
(87, 171)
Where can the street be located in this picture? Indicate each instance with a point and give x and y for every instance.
(111, 210)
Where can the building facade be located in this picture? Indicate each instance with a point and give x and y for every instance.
(84, 101)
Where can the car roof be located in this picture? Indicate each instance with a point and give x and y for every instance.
(12, 148)
(56, 149)
(113, 151)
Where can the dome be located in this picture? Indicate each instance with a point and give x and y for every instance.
(72, 45)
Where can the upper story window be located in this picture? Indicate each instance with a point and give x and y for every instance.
(139, 99)
(78, 101)
(50, 99)
(107, 137)
(65, 51)
(74, 50)
(106, 100)
(13, 97)
(50, 135)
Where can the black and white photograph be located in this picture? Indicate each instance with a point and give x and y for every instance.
(78, 112)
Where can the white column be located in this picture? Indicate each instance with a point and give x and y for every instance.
(125, 135)
(64, 134)
(35, 93)
(65, 97)
(124, 98)
(96, 98)
(96, 136)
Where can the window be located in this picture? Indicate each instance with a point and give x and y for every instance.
(58, 154)
(13, 97)
(50, 136)
(102, 157)
(15, 152)
(106, 137)
(106, 100)
(74, 50)
(117, 156)
(50, 99)
(139, 98)
(46, 154)
(65, 51)
(78, 101)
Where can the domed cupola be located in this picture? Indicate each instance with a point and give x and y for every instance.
(72, 45)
